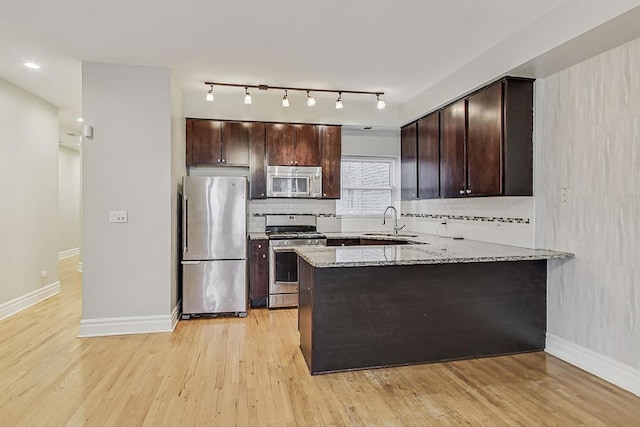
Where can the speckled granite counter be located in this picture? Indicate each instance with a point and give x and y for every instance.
(421, 249)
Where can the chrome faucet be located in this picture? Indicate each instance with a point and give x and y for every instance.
(395, 219)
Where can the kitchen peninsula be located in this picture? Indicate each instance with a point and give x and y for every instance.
(431, 299)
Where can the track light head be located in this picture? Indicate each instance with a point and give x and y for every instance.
(339, 104)
(285, 99)
(311, 101)
(381, 103)
(247, 96)
(210, 94)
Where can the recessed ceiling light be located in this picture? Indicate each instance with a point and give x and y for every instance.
(79, 119)
(32, 65)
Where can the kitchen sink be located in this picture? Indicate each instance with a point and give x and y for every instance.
(390, 235)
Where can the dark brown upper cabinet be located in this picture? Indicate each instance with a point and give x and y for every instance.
(429, 156)
(257, 169)
(293, 145)
(212, 142)
(409, 161)
(331, 148)
(453, 176)
(486, 142)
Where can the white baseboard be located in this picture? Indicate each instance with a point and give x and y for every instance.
(125, 325)
(80, 267)
(175, 315)
(624, 376)
(68, 253)
(18, 304)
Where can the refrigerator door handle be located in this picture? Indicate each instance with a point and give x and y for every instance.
(184, 224)
(190, 262)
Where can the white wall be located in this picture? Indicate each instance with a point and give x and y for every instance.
(127, 166)
(68, 200)
(589, 141)
(29, 184)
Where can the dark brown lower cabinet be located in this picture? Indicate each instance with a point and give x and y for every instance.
(367, 317)
(258, 272)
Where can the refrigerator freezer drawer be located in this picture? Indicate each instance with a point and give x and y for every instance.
(213, 287)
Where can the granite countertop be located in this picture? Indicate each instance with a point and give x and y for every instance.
(420, 249)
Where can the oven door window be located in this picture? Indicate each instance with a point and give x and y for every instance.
(289, 185)
(286, 270)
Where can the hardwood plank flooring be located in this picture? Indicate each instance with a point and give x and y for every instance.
(232, 371)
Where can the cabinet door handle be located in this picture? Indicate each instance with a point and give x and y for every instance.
(264, 256)
(468, 191)
(259, 246)
(461, 191)
(262, 194)
(296, 162)
(218, 159)
(291, 162)
(223, 160)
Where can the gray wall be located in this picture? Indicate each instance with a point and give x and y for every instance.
(588, 140)
(29, 185)
(68, 199)
(127, 166)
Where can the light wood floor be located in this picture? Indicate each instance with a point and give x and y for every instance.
(250, 372)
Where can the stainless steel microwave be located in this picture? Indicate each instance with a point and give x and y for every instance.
(294, 181)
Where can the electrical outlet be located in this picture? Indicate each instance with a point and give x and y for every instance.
(43, 274)
(565, 194)
(118, 216)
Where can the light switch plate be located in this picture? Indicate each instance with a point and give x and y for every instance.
(118, 216)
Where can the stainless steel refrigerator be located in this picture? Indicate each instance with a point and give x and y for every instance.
(214, 251)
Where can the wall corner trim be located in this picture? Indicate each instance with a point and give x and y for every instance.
(16, 305)
(624, 376)
(68, 253)
(125, 326)
(175, 314)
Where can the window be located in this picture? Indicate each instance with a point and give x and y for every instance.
(367, 186)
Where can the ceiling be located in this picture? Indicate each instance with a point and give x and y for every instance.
(398, 47)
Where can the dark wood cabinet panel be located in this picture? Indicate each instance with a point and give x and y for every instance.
(214, 142)
(409, 158)
(429, 157)
(518, 137)
(235, 143)
(258, 273)
(189, 142)
(257, 169)
(306, 145)
(484, 142)
(279, 142)
(452, 150)
(343, 242)
(331, 148)
(205, 142)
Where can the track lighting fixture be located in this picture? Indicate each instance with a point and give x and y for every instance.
(311, 101)
(210, 94)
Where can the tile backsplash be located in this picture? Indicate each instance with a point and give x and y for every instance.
(505, 220)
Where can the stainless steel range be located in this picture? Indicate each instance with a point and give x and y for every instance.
(286, 232)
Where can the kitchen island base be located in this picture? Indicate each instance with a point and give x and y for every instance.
(377, 316)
